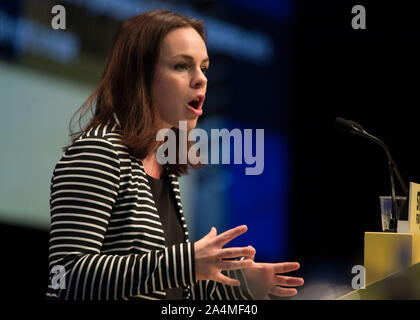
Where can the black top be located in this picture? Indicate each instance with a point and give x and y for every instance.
(171, 223)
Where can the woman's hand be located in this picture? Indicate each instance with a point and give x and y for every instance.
(209, 256)
(264, 279)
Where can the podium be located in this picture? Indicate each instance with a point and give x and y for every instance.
(403, 285)
(392, 260)
(392, 267)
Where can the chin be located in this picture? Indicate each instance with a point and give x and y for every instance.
(191, 124)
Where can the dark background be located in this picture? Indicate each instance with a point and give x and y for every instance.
(369, 76)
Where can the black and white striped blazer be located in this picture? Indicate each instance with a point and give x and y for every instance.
(106, 236)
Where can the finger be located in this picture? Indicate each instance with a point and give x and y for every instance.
(251, 256)
(212, 234)
(234, 265)
(283, 292)
(226, 280)
(285, 267)
(236, 252)
(288, 281)
(227, 236)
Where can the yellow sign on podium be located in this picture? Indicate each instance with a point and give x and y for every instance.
(387, 253)
(414, 208)
(392, 260)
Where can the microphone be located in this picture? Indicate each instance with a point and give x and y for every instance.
(347, 125)
(353, 127)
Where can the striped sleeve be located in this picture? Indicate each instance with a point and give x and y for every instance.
(84, 189)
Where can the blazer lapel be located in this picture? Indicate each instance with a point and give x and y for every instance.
(177, 197)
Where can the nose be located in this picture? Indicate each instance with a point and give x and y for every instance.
(199, 79)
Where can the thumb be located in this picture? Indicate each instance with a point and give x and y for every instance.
(211, 234)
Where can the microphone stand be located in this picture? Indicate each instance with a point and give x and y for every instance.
(392, 168)
(394, 219)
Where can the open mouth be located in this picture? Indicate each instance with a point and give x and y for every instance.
(194, 104)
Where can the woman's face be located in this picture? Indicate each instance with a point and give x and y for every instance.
(180, 78)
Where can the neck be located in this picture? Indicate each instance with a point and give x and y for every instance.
(152, 167)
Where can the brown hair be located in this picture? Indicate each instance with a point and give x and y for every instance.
(125, 86)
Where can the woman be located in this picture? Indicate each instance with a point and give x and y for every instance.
(117, 226)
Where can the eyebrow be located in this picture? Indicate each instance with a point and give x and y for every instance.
(186, 56)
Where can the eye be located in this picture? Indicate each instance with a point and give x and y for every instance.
(204, 70)
(181, 66)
